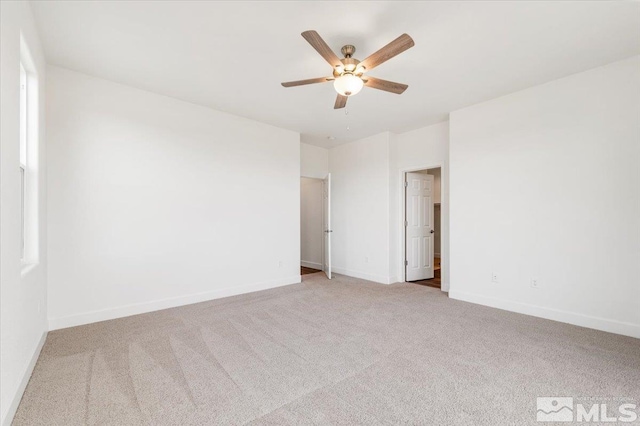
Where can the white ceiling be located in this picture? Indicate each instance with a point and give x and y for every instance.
(232, 56)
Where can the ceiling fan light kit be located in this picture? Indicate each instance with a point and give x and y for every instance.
(348, 72)
(348, 75)
(348, 84)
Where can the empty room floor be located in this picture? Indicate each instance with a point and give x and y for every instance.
(344, 351)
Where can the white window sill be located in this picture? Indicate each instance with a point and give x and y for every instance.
(26, 268)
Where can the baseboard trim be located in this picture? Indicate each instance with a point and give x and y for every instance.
(13, 407)
(312, 265)
(597, 323)
(156, 305)
(363, 275)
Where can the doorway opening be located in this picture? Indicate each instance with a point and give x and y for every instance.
(311, 225)
(422, 226)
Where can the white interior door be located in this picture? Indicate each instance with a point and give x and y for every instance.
(327, 225)
(419, 226)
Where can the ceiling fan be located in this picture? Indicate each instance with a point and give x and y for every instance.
(348, 73)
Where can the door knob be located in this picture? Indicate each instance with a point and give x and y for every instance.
(432, 231)
(328, 230)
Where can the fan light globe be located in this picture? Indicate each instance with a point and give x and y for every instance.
(348, 84)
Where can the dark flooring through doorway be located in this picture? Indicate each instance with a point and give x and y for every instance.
(304, 270)
(434, 282)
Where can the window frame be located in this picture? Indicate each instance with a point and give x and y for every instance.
(24, 137)
(28, 166)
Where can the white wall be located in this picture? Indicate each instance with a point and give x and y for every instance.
(359, 208)
(22, 291)
(155, 202)
(311, 226)
(419, 149)
(545, 183)
(314, 161)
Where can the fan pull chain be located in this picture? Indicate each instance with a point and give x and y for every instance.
(346, 113)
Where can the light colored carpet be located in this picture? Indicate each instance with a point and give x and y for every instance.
(344, 351)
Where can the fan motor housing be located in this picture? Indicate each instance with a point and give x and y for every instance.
(350, 65)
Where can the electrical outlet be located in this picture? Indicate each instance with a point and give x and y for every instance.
(280, 264)
(535, 283)
(494, 278)
(366, 260)
(39, 307)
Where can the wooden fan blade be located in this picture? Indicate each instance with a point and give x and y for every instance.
(341, 102)
(321, 47)
(392, 49)
(308, 81)
(387, 86)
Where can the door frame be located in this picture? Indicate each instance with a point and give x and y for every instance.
(322, 221)
(326, 225)
(444, 203)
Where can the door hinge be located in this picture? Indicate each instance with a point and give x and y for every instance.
(406, 223)
(406, 263)
(406, 184)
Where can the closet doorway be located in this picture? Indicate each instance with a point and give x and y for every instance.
(422, 226)
(311, 225)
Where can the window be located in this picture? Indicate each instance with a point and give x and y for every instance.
(23, 159)
(28, 161)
